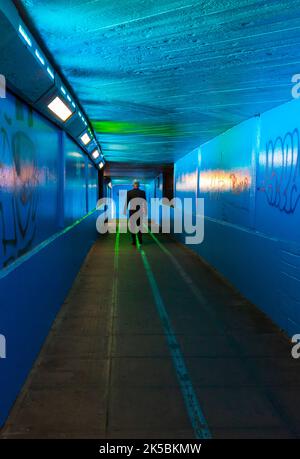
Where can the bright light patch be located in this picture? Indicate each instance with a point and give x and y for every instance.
(95, 154)
(74, 155)
(63, 90)
(187, 182)
(221, 181)
(24, 35)
(39, 56)
(50, 72)
(101, 165)
(60, 109)
(85, 139)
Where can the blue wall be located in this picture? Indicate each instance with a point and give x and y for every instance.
(29, 160)
(92, 186)
(75, 202)
(250, 179)
(47, 188)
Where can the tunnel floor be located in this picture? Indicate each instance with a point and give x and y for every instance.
(151, 343)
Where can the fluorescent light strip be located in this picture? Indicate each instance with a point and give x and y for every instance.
(69, 98)
(25, 36)
(60, 109)
(50, 72)
(63, 90)
(101, 165)
(40, 58)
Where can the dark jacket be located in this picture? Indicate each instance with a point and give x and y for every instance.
(134, 193)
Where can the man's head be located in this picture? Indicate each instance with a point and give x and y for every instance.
(136, 184)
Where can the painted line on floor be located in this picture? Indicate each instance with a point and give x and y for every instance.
(114, 300)
(193, 287)
(195, 413)
(191, 284)
(116, 268)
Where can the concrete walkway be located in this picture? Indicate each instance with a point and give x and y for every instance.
(152, 344)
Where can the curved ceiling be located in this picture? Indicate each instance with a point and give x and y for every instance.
(159, 77)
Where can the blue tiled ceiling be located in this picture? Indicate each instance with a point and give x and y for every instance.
(158, 77)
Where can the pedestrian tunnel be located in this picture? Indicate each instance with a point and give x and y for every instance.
(189, 328)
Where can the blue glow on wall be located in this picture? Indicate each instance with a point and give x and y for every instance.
(29, 179)
(30, 185)
(75, 182)
(93, 189)
(250, 179)
(226, 174)
(46, 184)
(278, 173)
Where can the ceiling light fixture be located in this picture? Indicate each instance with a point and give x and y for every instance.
(95, 154)
(85, 139)
(60, 109)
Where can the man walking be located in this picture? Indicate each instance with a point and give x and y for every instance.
(136, 199)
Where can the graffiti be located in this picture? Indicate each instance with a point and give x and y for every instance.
(18, 194)
(239, 184)
(220, 181)
(281, 164)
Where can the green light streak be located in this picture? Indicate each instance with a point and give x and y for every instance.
(135, 128)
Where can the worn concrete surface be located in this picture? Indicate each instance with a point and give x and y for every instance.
(106, 371)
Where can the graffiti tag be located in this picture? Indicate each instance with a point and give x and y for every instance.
(281, 163)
